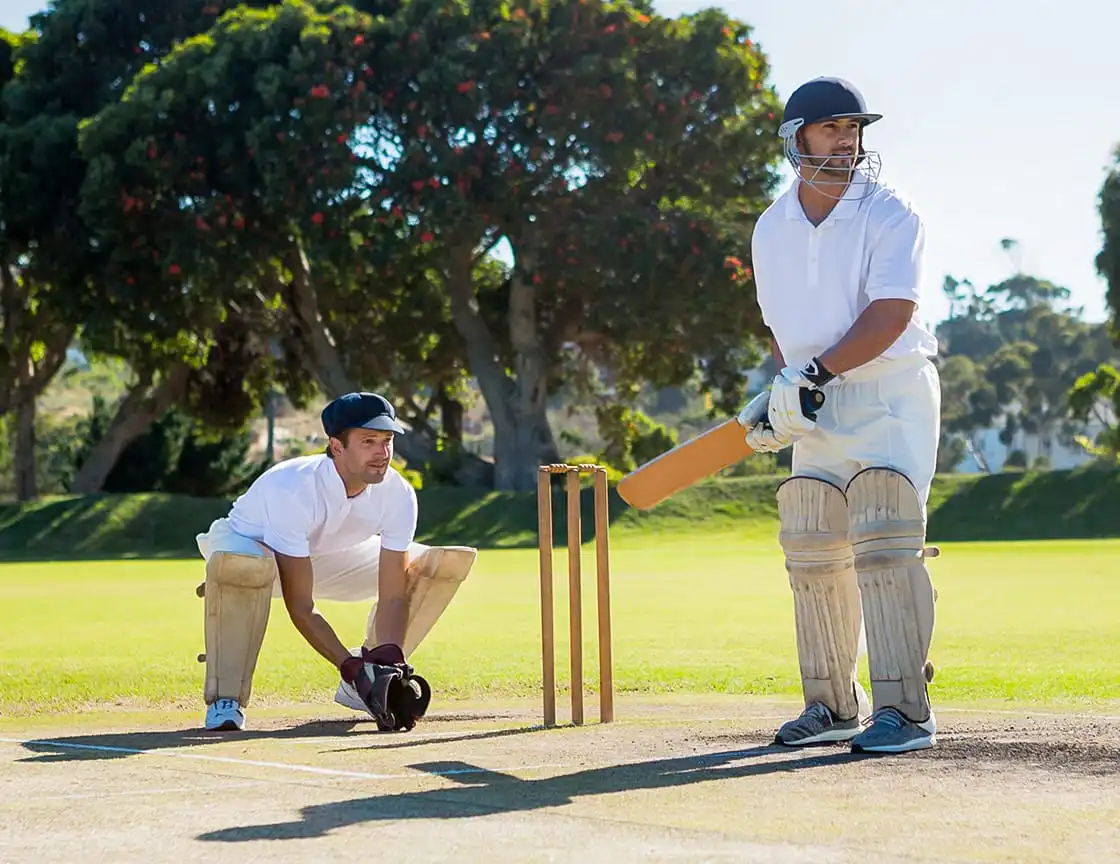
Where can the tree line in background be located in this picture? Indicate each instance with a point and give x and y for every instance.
(531, 202)
(307, 197)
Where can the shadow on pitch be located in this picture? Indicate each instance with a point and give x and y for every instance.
(481, 792)
(123, 745)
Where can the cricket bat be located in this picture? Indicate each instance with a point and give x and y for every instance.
(696, 459)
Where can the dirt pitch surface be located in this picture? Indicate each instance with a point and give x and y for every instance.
(671, 780)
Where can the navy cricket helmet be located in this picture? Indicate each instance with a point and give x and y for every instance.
(828, 99)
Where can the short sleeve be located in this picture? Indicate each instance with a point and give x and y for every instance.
(400, 520)
(287, 527)
(895, 271)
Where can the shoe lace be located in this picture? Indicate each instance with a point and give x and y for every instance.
(819, 711)
(225, 705)
(888, 717)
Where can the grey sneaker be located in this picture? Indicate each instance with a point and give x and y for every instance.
(817, 725)
(890, 732)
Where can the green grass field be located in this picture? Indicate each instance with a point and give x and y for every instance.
(1028, 623)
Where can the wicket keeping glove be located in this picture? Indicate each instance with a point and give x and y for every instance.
(388, 686)
(786, 408)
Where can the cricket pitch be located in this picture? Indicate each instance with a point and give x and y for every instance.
(675, 778)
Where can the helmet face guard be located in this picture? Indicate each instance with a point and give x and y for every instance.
(830, 99)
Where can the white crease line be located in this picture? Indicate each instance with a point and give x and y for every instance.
(307, 769)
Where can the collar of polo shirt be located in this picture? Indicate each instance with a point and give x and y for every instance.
(846, 207)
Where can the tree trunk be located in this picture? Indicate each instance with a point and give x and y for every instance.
(24, 377)
(27, 489)
(451, 417)
(330, 373)
(140, 409)
(303, 302)
(522, 437)
(270, 415)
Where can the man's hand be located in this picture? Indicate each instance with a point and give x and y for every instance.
(761, 436)
(785, 411)
(394, 695)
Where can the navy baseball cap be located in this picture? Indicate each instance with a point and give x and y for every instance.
(360, 411)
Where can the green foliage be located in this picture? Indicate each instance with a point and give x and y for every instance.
(176, 455)
(414, 478)
(631, 437)
(1096, 395)
(219, 185)
(758, 465)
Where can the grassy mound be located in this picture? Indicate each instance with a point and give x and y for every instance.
(1084, 503)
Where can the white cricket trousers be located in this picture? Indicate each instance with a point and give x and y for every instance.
(887, 415)
(349, 574)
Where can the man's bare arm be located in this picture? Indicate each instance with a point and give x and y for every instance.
(297, 582)
(873, 332)
(392, 603)
(779, 360)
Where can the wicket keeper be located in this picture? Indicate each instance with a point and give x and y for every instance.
(837, 260)
(338, 525)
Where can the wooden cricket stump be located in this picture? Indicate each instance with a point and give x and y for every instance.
(575, 605)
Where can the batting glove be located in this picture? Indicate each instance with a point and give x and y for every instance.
(761, 437)
(785, 410)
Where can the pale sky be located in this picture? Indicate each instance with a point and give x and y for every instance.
(1008, 111)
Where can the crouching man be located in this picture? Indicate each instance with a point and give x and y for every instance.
(339, 525)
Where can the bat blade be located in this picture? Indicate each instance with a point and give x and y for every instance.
(685, 465)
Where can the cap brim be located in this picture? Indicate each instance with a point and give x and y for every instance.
(384, 424)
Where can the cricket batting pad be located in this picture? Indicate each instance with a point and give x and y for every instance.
(888, 536)
(432, 579)
(238, 594)
(827, 612)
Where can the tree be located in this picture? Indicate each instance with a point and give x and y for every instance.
(240, 187)
(1096, 394)
(623, 156)
(1108, 260)
(488, 122)
(34, 335)
(192, 190)
(1023, 352)
(81, 55)
(969, 404)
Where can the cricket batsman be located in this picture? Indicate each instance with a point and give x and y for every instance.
(837, 261)
(338, 525)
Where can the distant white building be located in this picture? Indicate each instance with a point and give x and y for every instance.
(1061, 457)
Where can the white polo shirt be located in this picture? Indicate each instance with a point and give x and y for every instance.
(299, 507)
(814, 281)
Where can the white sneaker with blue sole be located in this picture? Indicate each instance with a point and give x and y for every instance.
(225, 715)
